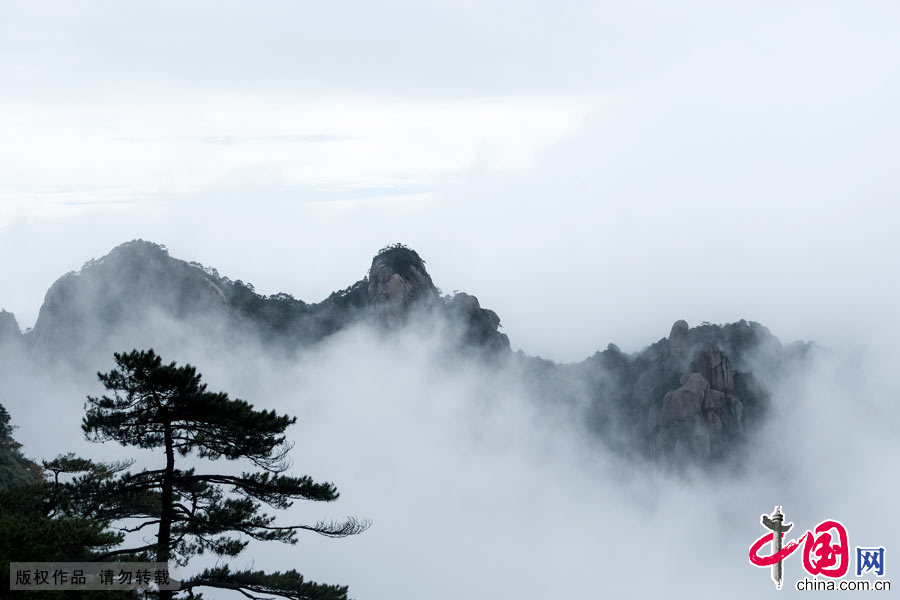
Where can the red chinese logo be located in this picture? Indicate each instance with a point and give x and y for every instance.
(826, 550)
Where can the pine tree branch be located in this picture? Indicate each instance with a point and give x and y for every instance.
(288, 584)
(273, 490)
(351, 526)
(123, 551)
(139, 527)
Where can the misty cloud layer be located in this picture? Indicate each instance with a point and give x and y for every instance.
(479, 489)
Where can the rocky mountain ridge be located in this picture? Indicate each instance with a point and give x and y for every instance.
(138, 279)
(694, 396)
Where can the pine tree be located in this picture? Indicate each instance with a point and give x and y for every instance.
(165, 406)
(46, 520)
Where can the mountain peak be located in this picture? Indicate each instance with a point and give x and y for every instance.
(401, 258)
(9, 327)
(398, 279)
(135, 250)
(139, 246)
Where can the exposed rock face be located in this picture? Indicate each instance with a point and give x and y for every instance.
(694, 421)
(715, 367)
(703, 418)
(683, 399)
(676, 422)
(686, 401)
(397, 281)
(480, 324)
(679, 337)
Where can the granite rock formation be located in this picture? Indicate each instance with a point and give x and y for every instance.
(692, 397)
(138, 283)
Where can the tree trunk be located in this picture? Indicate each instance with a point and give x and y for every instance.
(165, 516)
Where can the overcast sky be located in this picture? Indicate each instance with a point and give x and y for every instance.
(592, 171)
